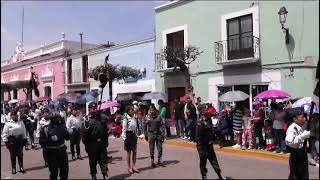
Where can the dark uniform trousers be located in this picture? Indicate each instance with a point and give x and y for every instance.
(155, 140)
(99, 155)
(298, 163)
(58, 160)
(75, 139)
(206, 152)
(16, 149)
(44, 154)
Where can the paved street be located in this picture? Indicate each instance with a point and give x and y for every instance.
(180, 163)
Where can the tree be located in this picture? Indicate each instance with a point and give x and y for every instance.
(112, 73)
(181, 59)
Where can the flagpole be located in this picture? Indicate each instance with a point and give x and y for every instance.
(22, 26)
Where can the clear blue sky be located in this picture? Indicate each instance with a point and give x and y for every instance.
(100, 21)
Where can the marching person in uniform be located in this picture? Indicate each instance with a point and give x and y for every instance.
(296, 135)
(44, 122)
(53, 137)
(130, 137)
(74, 125)
(95, 139)
(154, 133)
(28, 122)
(14, 136)
(204, 140)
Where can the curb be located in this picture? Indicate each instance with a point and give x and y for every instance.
(230, 150)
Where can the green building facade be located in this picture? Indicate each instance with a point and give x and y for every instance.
(244, 47)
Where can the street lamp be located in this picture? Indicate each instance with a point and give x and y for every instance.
(282, 18)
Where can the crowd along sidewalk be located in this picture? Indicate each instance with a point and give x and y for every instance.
(229, 150)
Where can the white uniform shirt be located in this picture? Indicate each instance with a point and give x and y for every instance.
(12, 128)
(294, 137)
(129, 124)
(73, 122)
(42, 123)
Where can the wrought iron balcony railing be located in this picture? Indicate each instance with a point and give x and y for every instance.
(163, 58)
(246, 49)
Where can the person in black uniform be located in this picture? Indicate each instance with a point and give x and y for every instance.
(14, 136)
(29, 124)
(295, 139)
(155, 133)
(204, 139)
(53, 138)
(95, 140)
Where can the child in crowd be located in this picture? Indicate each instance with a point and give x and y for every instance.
(247, 134)
(270, 145)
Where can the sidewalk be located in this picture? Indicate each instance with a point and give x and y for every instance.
(229, 150)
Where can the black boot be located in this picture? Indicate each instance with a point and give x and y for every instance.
(153, 164)
(93, 176)
(14, 170)
(160, 163)
(21, 168)
(105, 176)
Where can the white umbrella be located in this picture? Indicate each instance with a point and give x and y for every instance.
(306, 104)
(155, 95)
(13, 101)
(233, 96)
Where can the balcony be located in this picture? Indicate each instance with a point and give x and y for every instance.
(162, 64)
(78, 76)
(242, 50)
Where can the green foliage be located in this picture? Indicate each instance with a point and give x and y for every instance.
(116, 72)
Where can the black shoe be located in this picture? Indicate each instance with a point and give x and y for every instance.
(105, 176)
(160, 164)
(79, 157)
(109, 157)
(93, 177)
(14, 170)
(74, 158)
(33, 146)
(153, 165)
(26, 148)
(22, 169)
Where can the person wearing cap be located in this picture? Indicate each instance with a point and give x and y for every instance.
(154, 133)
(44, 122)
(204, 139)
(295, 137)
(14, 137)
(74, 125)
(53, 137)
(95, 139)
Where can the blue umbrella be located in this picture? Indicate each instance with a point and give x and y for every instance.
(88, 97)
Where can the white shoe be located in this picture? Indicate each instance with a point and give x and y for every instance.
(237, 146)
(188, 138)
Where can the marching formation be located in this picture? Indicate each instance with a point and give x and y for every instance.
(199, 123)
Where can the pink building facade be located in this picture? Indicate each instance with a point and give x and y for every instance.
(47, 63)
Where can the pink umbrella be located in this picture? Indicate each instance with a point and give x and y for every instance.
(272, 94)
(108, 104)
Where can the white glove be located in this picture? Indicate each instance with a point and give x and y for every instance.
(70, 130)
(54, 138)
(305, 134)
(37, 135)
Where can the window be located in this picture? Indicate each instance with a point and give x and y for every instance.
(47, 91)
(69, 71)
(15, 94)
(175, 41)
(240, 37)
(85, 68)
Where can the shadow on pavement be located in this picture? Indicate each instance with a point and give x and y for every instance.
(121, 176)
(83, 157)
(110, 152)
(114, 159)
(35, 168)
(164, 163)
(141, 158)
